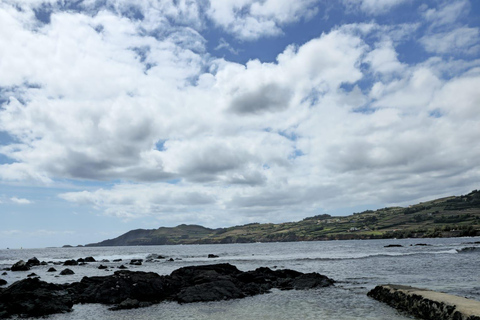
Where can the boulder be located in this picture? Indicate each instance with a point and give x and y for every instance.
(154, 256)
(32, 297)
(70, 263)
(213, 256)
(102, 267)
(122, 285)
(393, 246)
(89, 259)
(136, 262)
(20, 266)
(66, 272)
(33, 274)
(52, 270)
(122, 267)
(117, 260)
(2, 282)
(33, 262)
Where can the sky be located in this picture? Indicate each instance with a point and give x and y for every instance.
(125, 114)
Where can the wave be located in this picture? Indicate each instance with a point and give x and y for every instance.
(468, 250)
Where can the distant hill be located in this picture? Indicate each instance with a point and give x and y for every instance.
(446, 217)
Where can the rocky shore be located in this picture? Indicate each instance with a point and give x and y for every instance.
(32, 297)
(427, 304)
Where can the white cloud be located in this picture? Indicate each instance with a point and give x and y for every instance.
(373, 7)
(190, 137)
(460, 40)
(252, 19)
(20, 200)
(383, 59)
(447, 13)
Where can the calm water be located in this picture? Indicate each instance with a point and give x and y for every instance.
(357, 266)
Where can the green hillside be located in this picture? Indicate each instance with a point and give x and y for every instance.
(446, 217)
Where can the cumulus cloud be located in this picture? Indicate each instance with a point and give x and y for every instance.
(127, 93)
(252, 19)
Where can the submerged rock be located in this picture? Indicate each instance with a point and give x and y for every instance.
(212, 256)
(468, 250)
(393, 246)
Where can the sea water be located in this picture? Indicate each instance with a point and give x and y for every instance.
(357, 266)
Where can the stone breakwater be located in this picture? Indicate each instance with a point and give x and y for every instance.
(126, 289)
(427, 304)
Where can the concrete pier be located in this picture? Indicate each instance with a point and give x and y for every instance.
(427, 304)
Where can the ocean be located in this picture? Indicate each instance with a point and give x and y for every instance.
(357, 266)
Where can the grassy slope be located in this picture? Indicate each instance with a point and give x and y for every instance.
(447, 217)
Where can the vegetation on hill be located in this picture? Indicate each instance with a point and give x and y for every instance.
(445, 217)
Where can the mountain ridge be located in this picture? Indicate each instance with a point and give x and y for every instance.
(443, 217)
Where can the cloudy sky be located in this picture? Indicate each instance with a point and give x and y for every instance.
(125, 114)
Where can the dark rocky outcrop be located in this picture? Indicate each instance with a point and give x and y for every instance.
(426, 304)
(128, 289)
(393, 246)
(33, 262)
(71, 263)
(20, 266)
(136, 262)
(211, 256)
(52, 270)
(2, 282)
(102, 267)
(34, 298)
(154, 256)
(89, 259)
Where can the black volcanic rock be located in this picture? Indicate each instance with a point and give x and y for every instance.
(20, 266)
(393, 246)
(34, 298)
(89, 259)
(128, 289)
(66, 272)
(122, 285)
(33, 262)
(71, 263)
(136, 262)
(2, 282)
(212, 256)
(52, 270)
